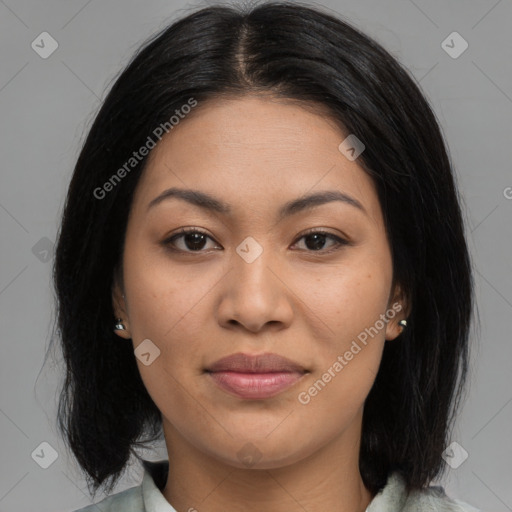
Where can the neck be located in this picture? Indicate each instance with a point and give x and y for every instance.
(327, 480)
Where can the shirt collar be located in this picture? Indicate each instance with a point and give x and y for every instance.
(391, 497)
(152, 497)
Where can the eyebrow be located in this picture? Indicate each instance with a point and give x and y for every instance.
(210, 203)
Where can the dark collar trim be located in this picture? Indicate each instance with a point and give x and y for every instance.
(158, 471)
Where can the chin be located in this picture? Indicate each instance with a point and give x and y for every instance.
(260, 453)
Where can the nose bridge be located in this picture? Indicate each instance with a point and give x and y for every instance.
(254, 295)
(251, 266)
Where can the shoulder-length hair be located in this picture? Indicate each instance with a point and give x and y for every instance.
(291, 51)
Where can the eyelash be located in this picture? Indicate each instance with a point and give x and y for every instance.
(340, 242)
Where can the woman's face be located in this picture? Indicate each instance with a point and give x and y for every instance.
(255, 282)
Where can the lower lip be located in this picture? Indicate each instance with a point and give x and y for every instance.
(255, 385)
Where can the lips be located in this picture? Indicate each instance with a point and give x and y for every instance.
(255, 377)
(246, 363)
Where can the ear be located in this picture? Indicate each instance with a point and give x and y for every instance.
(119, 306)
(398, 309)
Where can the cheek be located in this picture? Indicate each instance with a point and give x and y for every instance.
(330, 404)
(167, 306)
(163, 308)
(346, 364)
(347, 297)
(164, 297)
(350, 339)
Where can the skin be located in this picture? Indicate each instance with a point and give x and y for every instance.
(307, 304)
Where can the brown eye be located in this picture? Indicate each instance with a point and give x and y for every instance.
(315, 241)
(193, 240)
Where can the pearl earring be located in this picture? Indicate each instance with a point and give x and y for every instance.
(119, 326)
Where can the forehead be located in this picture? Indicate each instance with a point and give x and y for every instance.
(251, 147)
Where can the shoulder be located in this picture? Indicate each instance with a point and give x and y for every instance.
(435, 499)
(393, 498)
(129, 500)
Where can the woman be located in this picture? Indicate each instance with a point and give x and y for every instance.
(262, 257)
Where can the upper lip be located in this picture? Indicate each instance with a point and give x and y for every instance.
(247, 363)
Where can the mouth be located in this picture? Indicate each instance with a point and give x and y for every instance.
(255, 377)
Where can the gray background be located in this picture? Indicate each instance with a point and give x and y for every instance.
(46, 107)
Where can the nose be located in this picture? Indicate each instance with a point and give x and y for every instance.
(255, 295)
